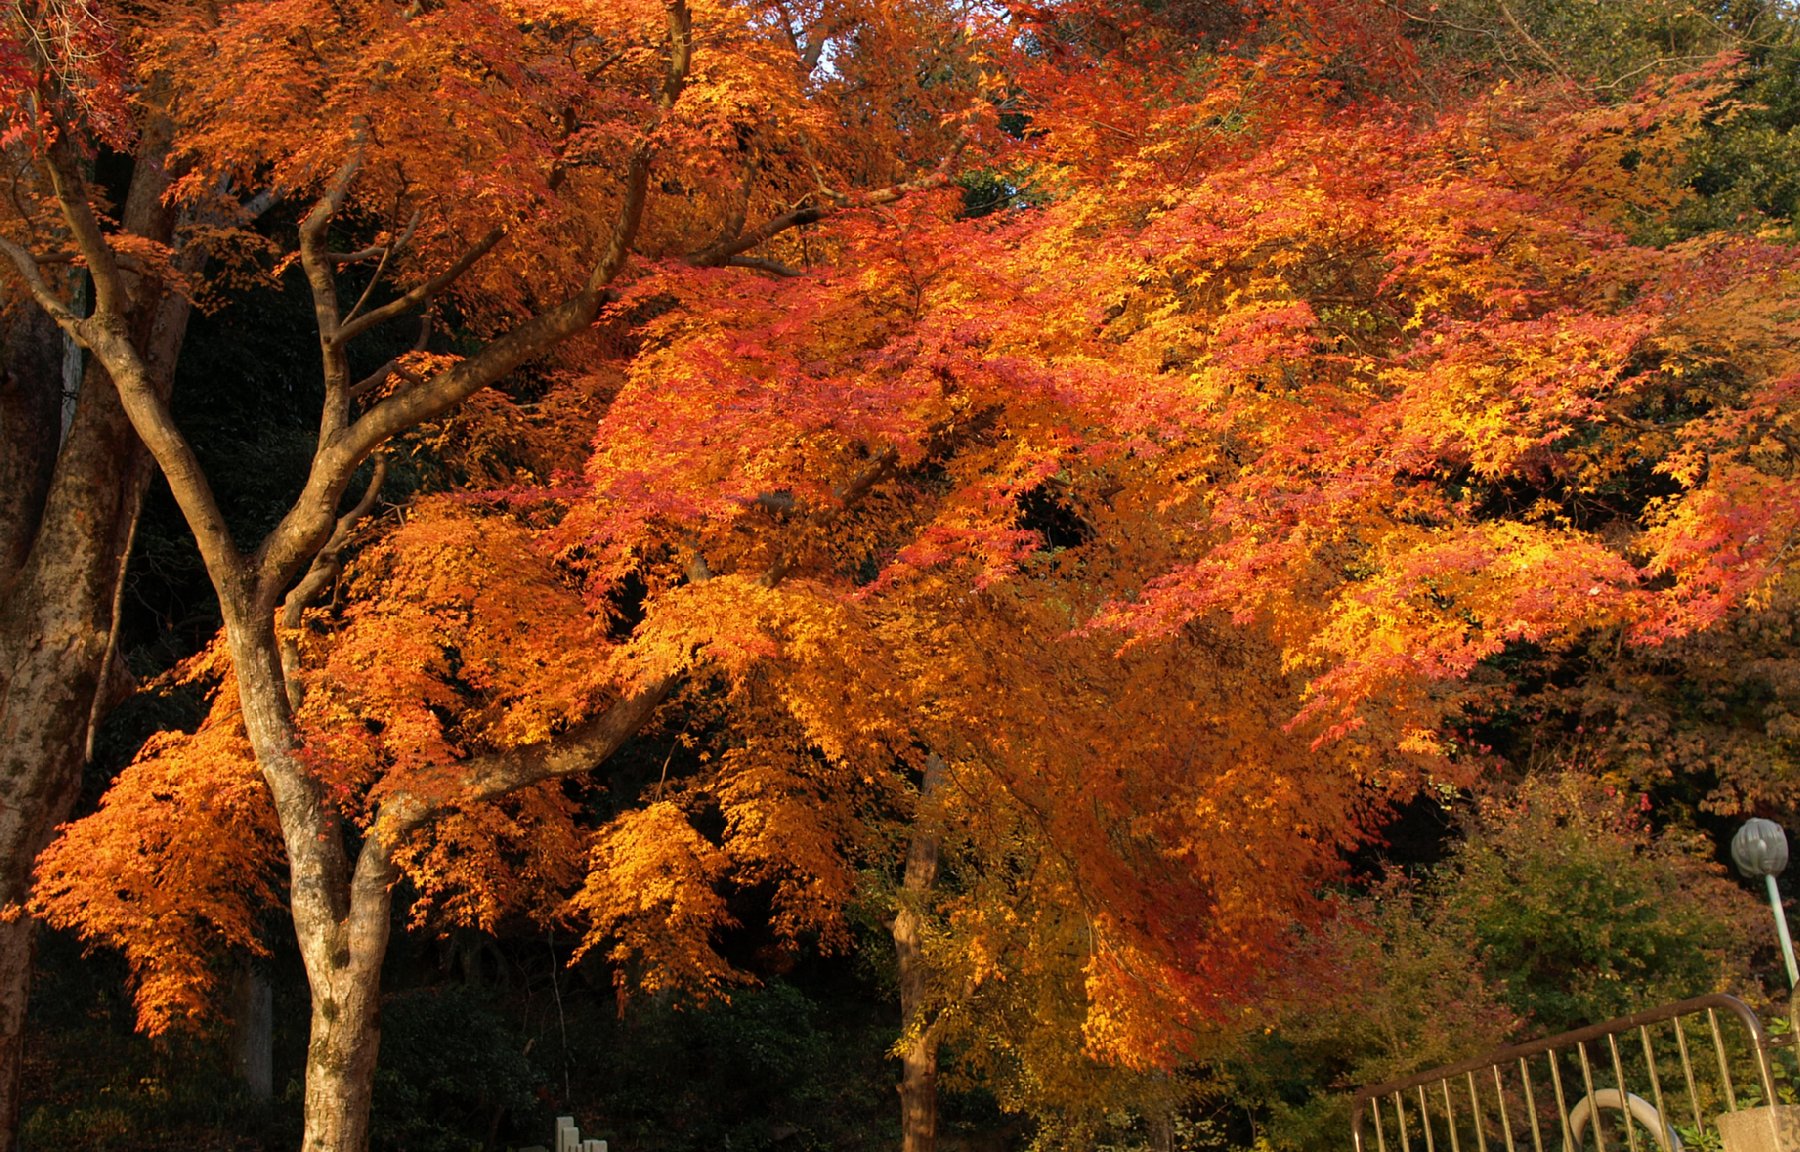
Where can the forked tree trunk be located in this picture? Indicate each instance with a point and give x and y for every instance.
(341, 911)
(919, 1044)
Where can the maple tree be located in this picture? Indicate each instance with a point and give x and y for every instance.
(1310, 402)
(834, 675)
(563, 110)
(1430, 415)
(1428, 401)
(1417, 399)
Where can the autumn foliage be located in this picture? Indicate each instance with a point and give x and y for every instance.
(1179, 509)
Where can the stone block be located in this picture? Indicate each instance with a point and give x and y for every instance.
(1761, 1130)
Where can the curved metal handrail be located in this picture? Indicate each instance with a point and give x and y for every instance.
(1370, 1101)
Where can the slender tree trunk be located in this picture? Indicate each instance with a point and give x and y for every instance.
(252, 1033)
(919, 1045)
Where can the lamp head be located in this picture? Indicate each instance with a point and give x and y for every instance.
(1760, 848)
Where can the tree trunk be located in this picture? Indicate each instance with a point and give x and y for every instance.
(30, 428)
(341, 914)
(340, 1061)
(56, 631)
(343, 966)
(30, 403)
(67, 516)
(253, 1033)
(919, 1043)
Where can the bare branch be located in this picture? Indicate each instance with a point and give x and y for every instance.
(322, 280)
(379, 251)
(779, 504)
(725, 252)
(107, 336)
(637, 173)
(70, 188)
(420, 294)
(380, 376)
(880, 468)
(815, 48)
(326, 568)
(581, 749)
(1543, 53)
(763, 264)
(254, 207)
(369, 288)
(27, 267)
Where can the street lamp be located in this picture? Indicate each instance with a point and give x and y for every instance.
(1760, 849)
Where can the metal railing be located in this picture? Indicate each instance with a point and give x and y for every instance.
(1625, 1085)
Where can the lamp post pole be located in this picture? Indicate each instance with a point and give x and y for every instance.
(1781, 927)
(1760, 848)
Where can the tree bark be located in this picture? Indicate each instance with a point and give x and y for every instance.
(56, 630)
(67, 516)
(344, 970)
(919, 1040)
(30, 427)
(341, 914)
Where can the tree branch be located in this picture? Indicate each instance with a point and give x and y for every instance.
(327, 566)
(579, 750)
(419, 294)
(379, 377)
(383, 251)
(70, 189)
(254, 207)
(848, 496)
(309, 520)
(106, 333)
(322, 280)
(725, 251)
(762, 264)
(27, 267)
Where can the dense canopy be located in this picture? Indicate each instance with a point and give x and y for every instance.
(1034, 497)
